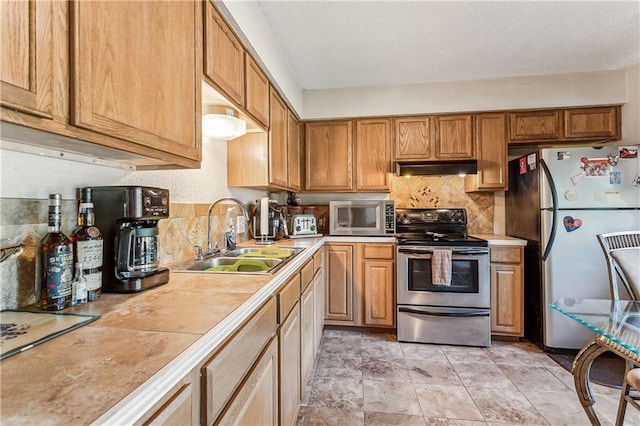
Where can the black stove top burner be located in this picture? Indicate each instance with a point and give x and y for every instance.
(434, 227)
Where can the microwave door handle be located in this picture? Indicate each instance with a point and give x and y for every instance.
(464, 314)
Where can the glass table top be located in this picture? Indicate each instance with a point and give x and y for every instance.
(617, 321)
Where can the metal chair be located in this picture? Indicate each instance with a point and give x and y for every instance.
(623, 259)
(622, 253)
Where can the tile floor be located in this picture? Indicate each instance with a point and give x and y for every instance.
(371, 379)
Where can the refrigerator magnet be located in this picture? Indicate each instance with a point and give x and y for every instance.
(579, 178)
(563, 155)
(571, 224)
(596, 167)
(531, 160)
(628, 152)
(571, 195)
(523, 165)
(615, 178)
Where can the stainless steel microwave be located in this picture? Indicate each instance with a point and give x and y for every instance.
(362, 217)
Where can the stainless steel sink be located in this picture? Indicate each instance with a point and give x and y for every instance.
(245, 260)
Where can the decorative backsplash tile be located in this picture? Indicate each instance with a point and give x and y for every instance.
(445, 191)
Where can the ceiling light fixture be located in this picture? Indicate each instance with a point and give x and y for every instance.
(221, 122)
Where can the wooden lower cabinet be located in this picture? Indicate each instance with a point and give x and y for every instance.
(177, 408)
(256, 403)
(507, 291)
(340, 284)
(318, 300)
(307, 337)
(289, 341)
(360, 284)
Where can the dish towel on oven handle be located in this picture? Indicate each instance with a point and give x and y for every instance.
(441, 267)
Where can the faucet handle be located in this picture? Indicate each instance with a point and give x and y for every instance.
(199, 254)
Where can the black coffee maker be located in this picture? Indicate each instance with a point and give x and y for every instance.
(128, 218)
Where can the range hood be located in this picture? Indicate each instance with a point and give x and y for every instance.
(421, 168)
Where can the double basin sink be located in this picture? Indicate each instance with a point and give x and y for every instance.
(247, 260)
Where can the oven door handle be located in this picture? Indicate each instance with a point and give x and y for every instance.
(447, 314)
(429, 253)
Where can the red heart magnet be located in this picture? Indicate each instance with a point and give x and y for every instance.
(571, 224)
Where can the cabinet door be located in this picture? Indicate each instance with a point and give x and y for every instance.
(293, 152)
(224, 55)
(318, 308)
(256, 91)
(491, 144)
(373, 155)
(379, 290)
(307, 338)
(178, 410)
(257, 400)
(340, 284)
(592, 123)
(506, 299)
(27, 46)
(278, 141)
(527, 126)
(413, 138)
(328, 156)
(453, 138)
(131, 83)
(289, 336)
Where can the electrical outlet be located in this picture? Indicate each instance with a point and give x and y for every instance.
(240, 225)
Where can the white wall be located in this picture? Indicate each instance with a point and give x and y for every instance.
(32, 176)
(479, 95)
(631, 110)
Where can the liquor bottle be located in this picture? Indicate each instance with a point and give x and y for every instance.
(88, 245)
(54, 263)
(79, 287)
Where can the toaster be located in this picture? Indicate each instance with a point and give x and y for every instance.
(303, 224)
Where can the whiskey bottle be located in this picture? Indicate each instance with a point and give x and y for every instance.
(54, 263)
(79, 287)
(88, 245)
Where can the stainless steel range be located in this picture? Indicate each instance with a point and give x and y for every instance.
(455, 311)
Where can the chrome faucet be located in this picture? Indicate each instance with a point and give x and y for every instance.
(211, 250)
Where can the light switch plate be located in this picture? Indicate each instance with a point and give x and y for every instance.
(240, 225)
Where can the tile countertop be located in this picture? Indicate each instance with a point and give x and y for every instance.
(118, 367)
(501, 240)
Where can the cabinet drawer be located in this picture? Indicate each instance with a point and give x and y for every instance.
(379, 251)
(506, 254)
(177, 410)
(307, 274)
(317, 261)
(224, 372)
(288, 296)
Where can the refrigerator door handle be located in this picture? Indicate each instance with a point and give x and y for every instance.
(553, 208)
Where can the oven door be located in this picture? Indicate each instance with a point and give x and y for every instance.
(469, 287)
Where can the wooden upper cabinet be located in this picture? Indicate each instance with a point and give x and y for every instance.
(27, 48)
(328, 156)
(278, 141)
(293, 153)
(453, 139)
(490, 138)
(256, 91)
(527, 126)
(413, 138)
(373, 155)
(224, 55)
(592, 123)
(134, 82)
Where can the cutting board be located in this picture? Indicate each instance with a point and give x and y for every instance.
(22, 330)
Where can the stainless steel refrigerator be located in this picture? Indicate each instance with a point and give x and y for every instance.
(558, 200)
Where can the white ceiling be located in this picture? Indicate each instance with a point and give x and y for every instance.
(334, 44)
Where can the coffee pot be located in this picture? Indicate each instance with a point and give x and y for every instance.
(128, 217)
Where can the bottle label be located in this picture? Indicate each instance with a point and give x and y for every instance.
(93, 232)
(90, 253)
(59, 274)
(94, 281)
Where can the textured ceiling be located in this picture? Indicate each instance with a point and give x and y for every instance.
(332, 44)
